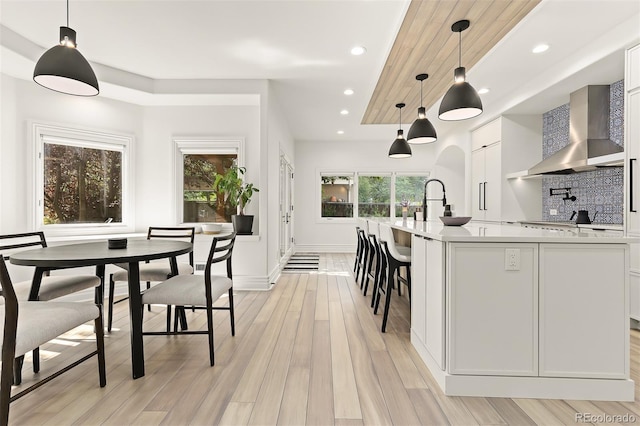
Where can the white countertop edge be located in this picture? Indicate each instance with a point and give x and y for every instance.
(507, 233)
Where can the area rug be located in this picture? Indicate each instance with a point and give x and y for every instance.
(301, 263)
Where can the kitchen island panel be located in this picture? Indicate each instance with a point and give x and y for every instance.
(583, 320)
(493, 314)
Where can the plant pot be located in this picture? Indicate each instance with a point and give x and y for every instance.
(243, 225)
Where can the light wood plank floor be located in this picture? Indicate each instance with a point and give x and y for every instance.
(307, 352)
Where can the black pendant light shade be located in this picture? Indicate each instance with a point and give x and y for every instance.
(400, 148)
(421, 131)
(63, 68)
(461, 100)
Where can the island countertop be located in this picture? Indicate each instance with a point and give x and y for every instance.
(508, 233)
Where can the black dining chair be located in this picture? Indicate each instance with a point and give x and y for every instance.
(49, 288)
(154, 271)
(29, 324)
(199, 291)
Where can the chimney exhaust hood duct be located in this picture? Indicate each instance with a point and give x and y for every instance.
(588, 136)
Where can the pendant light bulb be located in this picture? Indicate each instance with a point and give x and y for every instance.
(421, 131)
(63, 68)
(400, 148)
(461, 100)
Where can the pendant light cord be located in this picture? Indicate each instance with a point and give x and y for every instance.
(67, 13)
(459, 48)
(420, 93)
(400, 118)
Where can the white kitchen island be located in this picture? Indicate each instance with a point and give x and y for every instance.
(507, 311)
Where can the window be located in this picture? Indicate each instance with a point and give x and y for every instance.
(409, 191)
(81, 179)
(374, 196)
(197, 163)
(337, 195)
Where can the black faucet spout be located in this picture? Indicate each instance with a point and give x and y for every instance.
(425, 199)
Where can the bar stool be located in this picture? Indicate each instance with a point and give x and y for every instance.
(374, 255)
(358, 250)
(397, 256)
(364, 250)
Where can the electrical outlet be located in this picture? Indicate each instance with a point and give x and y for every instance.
(512, 259)
(553, 212)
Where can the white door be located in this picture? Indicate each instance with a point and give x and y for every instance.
(286, 206)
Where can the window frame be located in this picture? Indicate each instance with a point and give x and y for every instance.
(86, 138)
(319, 175)
(189, 145)
(356, 174)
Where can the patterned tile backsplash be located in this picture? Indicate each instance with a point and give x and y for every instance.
(596, 191)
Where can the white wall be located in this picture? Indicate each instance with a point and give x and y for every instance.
(280, 142)
(312, 157)
(153, 157)
(23, 101)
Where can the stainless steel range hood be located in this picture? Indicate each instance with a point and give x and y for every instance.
(589, 144)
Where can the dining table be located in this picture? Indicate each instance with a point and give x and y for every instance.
(99, 254)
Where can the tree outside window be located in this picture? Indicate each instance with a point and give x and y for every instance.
(200, 202)
(408, 189)
(374, 196)
(81, 185)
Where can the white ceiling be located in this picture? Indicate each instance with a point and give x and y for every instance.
(302, 46)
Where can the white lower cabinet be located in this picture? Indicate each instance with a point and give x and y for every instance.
(493, 315)
(587, 337)
(634, 282)
(428, 296)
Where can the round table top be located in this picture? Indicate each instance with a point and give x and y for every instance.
(98, 253)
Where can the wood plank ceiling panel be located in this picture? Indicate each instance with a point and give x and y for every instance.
(426, 44)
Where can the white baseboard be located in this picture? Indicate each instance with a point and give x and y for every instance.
(246, 282)
(325, 248)
(275, 273)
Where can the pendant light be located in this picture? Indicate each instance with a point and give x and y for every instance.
(422, 131)
(63, 68)
(461, 100)
(400, 148)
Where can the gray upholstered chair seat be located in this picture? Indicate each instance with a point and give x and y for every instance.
(186, 290)
(39, 322)
(153, 271)
(57, 286)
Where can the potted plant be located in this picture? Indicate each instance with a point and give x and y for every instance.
(238, 194)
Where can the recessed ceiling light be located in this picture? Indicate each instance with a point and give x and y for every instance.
(348, 92)
(358, 50)
(340, 132)
(540, 48)
(344, 112)
(483, 91)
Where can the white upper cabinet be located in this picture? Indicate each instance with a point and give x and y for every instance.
(502, 146)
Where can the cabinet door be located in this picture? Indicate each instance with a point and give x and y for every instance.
(493, 315)
(634, 281)
(435, 301)
(583, 310)
(632, 169)
(418, 286)
(477, 182)
(492, 185)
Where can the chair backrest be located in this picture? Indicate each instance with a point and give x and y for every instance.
(176, 233)
(386, 235)
(10, 243)
(220, 253)
(374, 228)
(8, 292)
